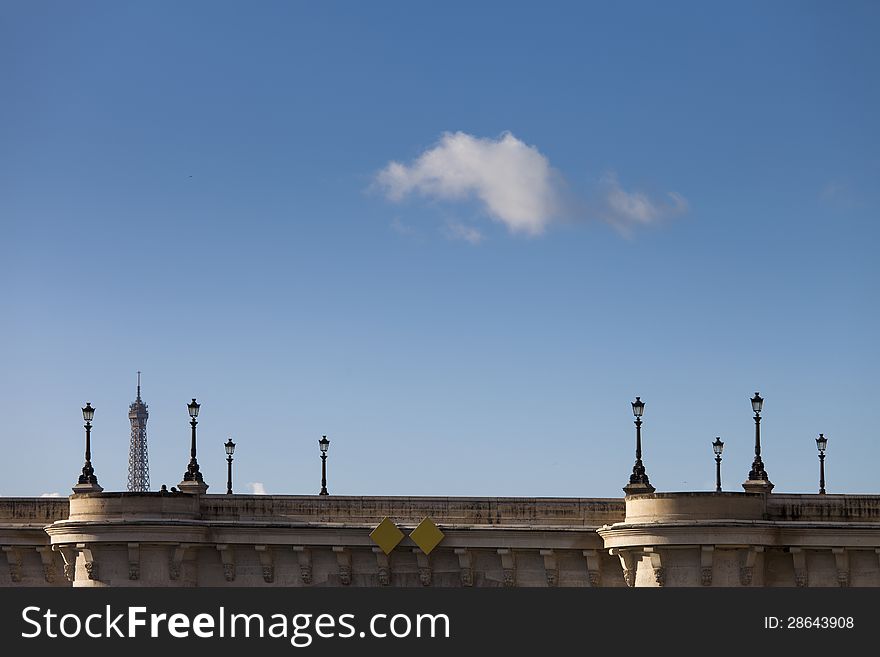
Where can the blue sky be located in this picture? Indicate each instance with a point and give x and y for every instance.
(589, 203)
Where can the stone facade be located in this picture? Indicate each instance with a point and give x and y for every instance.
(659, 539)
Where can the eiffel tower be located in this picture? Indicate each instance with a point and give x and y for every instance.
(138, 462)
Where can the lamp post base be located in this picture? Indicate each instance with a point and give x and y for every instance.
(757, 486)
(195, 487)
(638, 489)
(87, 488)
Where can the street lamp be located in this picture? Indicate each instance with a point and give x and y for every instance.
(638, 480)
(822, 445)
(717, 447)
(758, 480)
(88, 482)
(192, 478)
(230, 450)
(324, 444)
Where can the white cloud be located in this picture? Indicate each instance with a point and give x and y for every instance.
(515, 185)
(513, 181)
(625, 210)
(458, 231)
(257, 488)
(50, 494)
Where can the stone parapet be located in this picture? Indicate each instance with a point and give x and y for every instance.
(102, 507)
(497, 511)
(658, 539)
(667, 507)
(824, 508)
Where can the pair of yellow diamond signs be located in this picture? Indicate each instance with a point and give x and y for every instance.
(386, 535)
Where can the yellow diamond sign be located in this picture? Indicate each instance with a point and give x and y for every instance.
(426, 535)
(386, 535)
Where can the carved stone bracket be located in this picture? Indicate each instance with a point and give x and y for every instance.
(343, 561)
(227, 557)
(267, 562)
(425, 571)
(841, 559)
(627, 564)
(383, 567)
(89, 562)
(508, 566)
(799, 559)
(68, 554)
(304, 558)
(705, 576)
(134, 561)
(466, 566)
(660, 576)
(657, 566)
(594, 567)
(13, 557)
(47, 557)
(551, 567)
(747, 564)
(175, 561)
(707, 554)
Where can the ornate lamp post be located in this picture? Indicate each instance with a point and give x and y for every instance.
(193, 482)
(88, 482)
(822, 445)
(230, 450)
(758, 482)
(718, 447)
(324, 444)
(638, 480)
